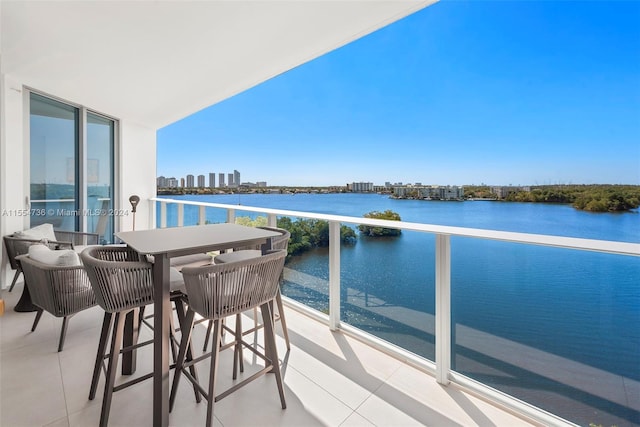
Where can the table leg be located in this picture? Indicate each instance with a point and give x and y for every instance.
(129, 338)
(161, 313)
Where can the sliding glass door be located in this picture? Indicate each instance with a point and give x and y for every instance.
(55, 136)
(72, 167)
(99, 177)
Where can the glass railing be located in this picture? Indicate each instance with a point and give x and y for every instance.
(546, 325)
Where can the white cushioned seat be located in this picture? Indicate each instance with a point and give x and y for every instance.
(62, 258)
(195, 260)
(237, 256)
(43, 231)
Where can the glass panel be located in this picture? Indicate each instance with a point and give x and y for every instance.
(54, 163)
(388, 289)
(100, 140)
(306, 271)
(557, 328)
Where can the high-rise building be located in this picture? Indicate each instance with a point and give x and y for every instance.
(200, 181)
(161, 182)
(182, 182)
(171, 182)
(230, 178)
(190, 181)
(212, 180)
(236, 178)
(220, 180)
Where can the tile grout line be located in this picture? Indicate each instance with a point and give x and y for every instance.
(64, 389)
(373, 393)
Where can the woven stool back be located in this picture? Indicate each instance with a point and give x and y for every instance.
(220, 290)
(119, 279)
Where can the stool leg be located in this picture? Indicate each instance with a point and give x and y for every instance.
(283, 321)
(237, 348)
(270, 346)
(184, 345)
(116, 344)
(211, 398)
(180, 310)
(206, 338)
(102, 345)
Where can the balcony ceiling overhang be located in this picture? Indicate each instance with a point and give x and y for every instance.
(155, 62)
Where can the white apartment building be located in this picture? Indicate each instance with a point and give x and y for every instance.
(361, 187)
(433, 192)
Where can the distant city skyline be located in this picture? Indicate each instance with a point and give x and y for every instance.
(460, 93)
(188, 180)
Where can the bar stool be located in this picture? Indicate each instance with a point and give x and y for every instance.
(218, 291)
(244, 253)
(123, 284)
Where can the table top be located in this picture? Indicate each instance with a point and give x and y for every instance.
(177, 241)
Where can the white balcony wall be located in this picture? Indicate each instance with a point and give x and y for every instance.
(137, 174)
(13, 180)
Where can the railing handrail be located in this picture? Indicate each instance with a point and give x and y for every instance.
(606, 246)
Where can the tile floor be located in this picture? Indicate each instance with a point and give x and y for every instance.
(330, 380)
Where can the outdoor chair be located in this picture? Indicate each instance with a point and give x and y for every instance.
(58, 284)
(221, 290)
(123, 283)
(248, 252)
(18, 243)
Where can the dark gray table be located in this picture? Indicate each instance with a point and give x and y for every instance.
(166, 243)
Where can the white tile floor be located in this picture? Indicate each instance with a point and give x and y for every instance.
(330, 380)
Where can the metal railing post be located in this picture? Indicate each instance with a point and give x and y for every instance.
(231, 216)
(153, 206)
(272, 220)
(443, 308)
(334, 275)
(180, 215)
(202, 217)
(163, 215)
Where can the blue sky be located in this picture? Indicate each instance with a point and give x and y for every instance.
(461, 93)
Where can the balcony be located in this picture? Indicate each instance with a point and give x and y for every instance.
(331, 378)
(335, 374)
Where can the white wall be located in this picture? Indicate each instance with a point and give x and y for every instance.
(138, 173)
(12, 165)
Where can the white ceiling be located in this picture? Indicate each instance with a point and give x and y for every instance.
(155, 62)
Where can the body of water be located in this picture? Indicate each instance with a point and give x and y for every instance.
(515, 307)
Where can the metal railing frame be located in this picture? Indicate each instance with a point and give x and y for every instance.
(442, 367)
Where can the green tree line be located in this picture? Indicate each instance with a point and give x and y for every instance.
(369, 230)
(592, 198)
(307, 234)
(312, 233)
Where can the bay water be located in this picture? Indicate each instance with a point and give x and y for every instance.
(555, 327)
